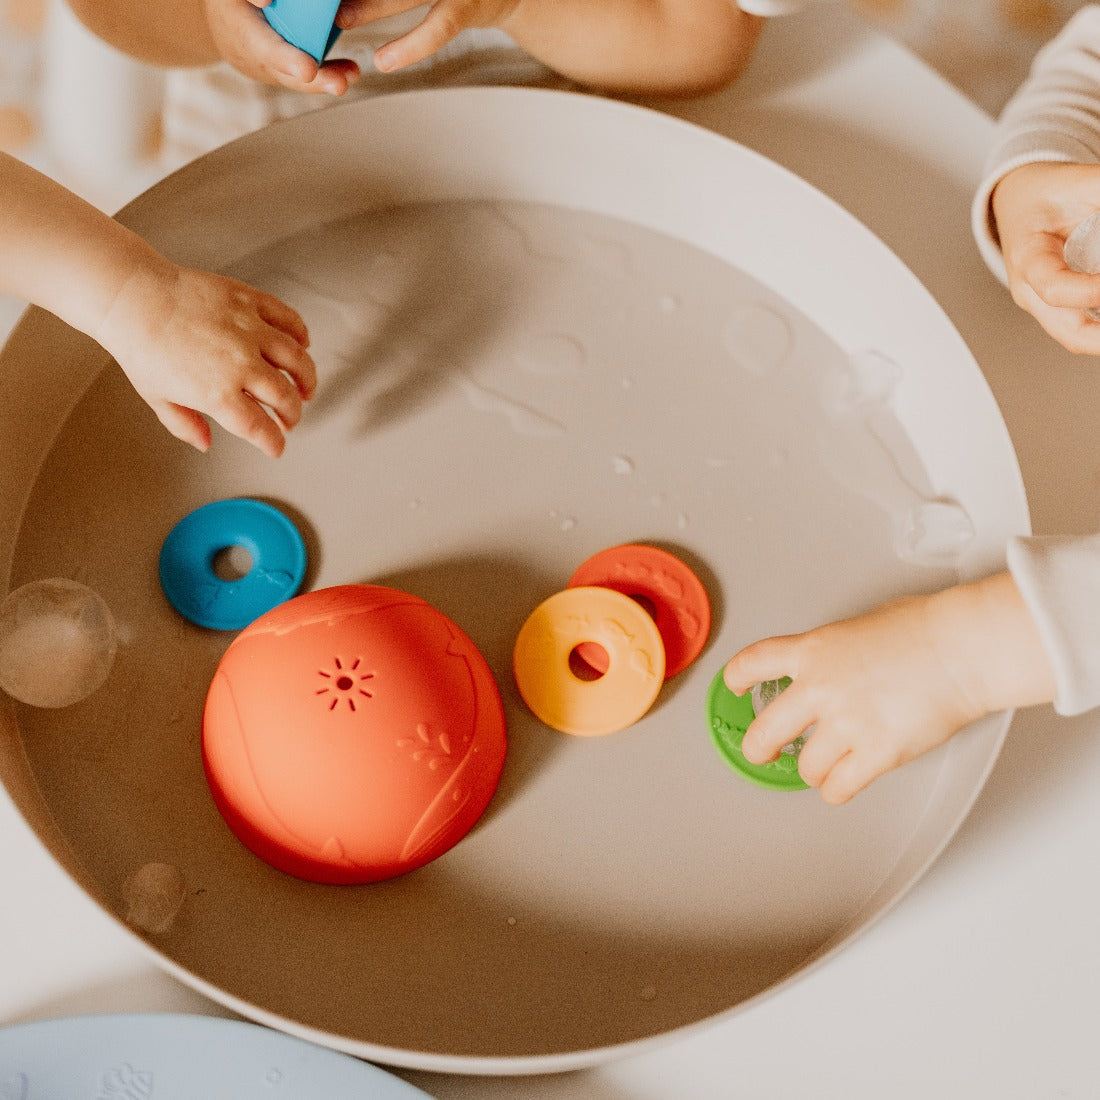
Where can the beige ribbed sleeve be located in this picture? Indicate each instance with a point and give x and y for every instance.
(1055, 116)
(1059, 579)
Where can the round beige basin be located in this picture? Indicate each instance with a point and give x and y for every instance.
(545, 324)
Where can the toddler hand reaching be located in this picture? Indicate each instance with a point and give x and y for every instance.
(882, 688)
(194, 344)
(1041, 179)
(1035, 208)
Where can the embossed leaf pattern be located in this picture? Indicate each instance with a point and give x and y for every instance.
(15, 1088)
(126, 1083)
(429, 747)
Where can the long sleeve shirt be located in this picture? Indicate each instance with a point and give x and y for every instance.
(1054, 117)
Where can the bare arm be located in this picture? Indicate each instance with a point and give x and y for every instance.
(668, 47)
(169, 33)
(60, 252)
(883, 688)
(191, 342)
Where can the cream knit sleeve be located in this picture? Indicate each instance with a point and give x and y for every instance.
(1055, 116)
(1059, 579)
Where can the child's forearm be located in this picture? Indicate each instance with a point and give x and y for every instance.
(989, 643)
(169, 33)
(61, 253)
(666, 47)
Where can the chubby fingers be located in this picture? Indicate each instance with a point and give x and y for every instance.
(444, 21)
(789, 715)
(764, 660)
(1071, 327)
(288, 356)
(266, 400)
(244, 416)
(259, 51)
(1042, 265)
(279, 315)
(841, 766)
(185, 424)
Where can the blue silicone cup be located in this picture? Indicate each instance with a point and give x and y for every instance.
(307, 24)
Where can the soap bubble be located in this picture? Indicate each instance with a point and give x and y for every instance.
(1082, 251)
(57, 642)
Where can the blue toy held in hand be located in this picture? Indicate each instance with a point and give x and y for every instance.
(307, 24)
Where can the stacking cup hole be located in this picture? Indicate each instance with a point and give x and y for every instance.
(232, 563)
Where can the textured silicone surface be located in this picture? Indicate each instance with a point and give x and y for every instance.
(352, 734)
(618, 697)
(679, 601)
(307, 24)
(155, 1055)
(187, 558)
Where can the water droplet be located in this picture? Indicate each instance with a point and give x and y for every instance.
(657, 500)
(57, 642)
(552, 355)
(622, 464)
(568, 523)
(682, 521)
(627, 383)
(670, 303)
(414, 504)
(154, 894)
(512, 921)
(865, 383)
(605, 254)
(647, 993)
(524, 419)
(758, 338)
(274, 1076)
(934, 532)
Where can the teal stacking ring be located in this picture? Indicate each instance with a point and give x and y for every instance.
(187, 560)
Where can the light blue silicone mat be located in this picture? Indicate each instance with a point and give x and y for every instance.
(177, 1057)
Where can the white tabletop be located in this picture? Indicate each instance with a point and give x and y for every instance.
(983, 981)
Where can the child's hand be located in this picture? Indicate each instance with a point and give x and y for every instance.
(246, 41)
(192, 342)
(1036, 207)
(879, 690)
(444, 21)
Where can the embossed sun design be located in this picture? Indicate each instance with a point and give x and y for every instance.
(344, 684)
